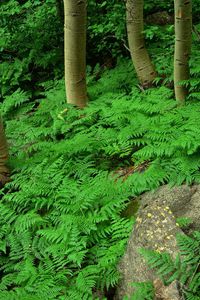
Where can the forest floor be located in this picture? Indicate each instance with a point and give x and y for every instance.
(75, 171)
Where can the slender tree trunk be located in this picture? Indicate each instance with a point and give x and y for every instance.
(140, 57)
(75, 51)
(4, 172)
(183, 38)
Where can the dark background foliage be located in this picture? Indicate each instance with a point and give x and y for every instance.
(31, 46)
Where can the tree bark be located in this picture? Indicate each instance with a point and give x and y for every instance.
(4, 172)
(140, 57)
(183, 38)
(75, 51)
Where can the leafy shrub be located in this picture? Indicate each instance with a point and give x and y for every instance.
(30, 46)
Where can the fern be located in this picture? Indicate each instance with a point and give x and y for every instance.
(61, 229)
(184, 222)
(144, 291)
(185, 268)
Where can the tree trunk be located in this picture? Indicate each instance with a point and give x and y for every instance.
(75, 51)
(4, 172)
(140, 57)
(183, 38)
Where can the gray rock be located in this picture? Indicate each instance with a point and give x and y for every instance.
(156, 229)
(160, 18)
(184, 201)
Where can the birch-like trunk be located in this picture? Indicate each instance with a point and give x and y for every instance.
(75, 51)
(140, 57)
(183, 38)
(4, 172)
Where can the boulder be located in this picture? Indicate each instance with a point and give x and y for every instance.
(160, 18)
(184, 201)
(156, 229)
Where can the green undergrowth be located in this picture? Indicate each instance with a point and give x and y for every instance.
(61, 227)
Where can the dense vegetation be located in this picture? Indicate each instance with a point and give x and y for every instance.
(74, 171)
